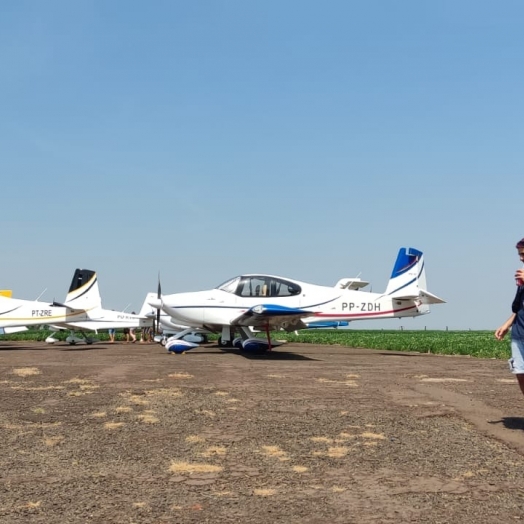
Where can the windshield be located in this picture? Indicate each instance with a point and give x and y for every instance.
(229, 286)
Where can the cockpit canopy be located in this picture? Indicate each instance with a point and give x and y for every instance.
(260, 286)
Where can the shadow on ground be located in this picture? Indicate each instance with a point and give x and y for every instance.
(510, 422)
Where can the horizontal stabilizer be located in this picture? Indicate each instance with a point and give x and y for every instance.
(351, 283)
(59, 304)
(425, 297)
(429, 298)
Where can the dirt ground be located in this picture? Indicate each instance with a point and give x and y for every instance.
(127, 433)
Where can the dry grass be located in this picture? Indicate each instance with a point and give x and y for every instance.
(349, 383)
(181, 376)
(113, 425)
(193, 467)
(147, 418)
(264, 492)
(299, 469)
(26, 372)
(438, 380)
(98, 414)
(193, 439)
(123, 409)
(273, 451)
(376, 436)
(325, 440)
(37, 388)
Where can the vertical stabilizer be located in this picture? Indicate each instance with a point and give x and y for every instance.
(147, 309)
(83, 292)
(408, 276)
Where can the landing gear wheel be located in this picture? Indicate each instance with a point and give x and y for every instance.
(163, 341)
(223, 343)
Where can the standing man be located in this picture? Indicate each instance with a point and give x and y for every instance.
(132, 331)
(516, 323)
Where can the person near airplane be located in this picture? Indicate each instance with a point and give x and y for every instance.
(515, 323)
(132, 334)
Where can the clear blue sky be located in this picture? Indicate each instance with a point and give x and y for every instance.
(207, 139)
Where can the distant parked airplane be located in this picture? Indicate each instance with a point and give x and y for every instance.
(17, 313)
(99, 318)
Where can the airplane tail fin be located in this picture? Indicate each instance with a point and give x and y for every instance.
(408, 279)
(147, 309)
(83, 292)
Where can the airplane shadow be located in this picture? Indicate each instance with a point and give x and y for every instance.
(510, 422)
(22, 348)
(87, 347)
(410, 354)
(268, 355)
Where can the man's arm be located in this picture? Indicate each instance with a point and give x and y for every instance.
(502, 330)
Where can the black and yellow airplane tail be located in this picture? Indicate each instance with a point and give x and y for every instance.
(83, 292)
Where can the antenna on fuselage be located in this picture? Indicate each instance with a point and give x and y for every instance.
(39, 296)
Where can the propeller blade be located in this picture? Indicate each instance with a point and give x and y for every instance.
(157, 320)
(156, 323)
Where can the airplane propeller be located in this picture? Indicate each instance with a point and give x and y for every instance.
(156, 324)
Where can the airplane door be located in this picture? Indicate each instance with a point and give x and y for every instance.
(219, 308)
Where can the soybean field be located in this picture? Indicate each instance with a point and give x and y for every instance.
(481, 344)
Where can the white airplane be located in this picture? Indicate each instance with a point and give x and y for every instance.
(165, 327)
(268, 302)
(99, 318)
(9, 330)
(83, 299)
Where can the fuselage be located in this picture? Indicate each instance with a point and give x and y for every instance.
(222, 305)
(14, 312)
(105, 319)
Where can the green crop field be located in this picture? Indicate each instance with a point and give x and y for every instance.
(475, 343)
(480, 344)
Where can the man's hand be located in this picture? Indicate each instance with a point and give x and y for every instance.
(501, 332)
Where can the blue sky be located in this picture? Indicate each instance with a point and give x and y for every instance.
(205, 139)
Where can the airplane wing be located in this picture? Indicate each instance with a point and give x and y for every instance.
(9, 330)
(96, 325)
(273, 316)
